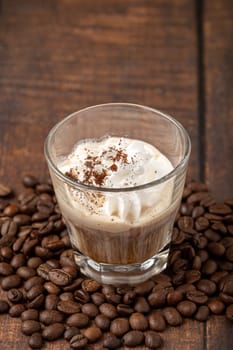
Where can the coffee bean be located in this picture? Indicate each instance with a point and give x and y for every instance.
(92, 333)
(78, 320)
(35, 341)
(119, 326)
(78, 341)
(51, 316)
(153, 340)
(11, 281)
(141, 305)
(229, 312)
(197, 211)
(206, 286)
(29, 327)
(103, 322)
(6, 269)
(113, 298)
(60, 277)
(186, 308)
(209, 267)
(91, 310)
(185, 223)
(71, 332)
(89, 285)
(6, 253)
(11, 210)
(25, 272)
(138, 321)
(226, 284)
(5, 190)
(98, 298)
(4, 306)
(37, 302)
(51, 288)
(22, 219)
(29, 245)
(53, 331)
(133, 338)
(108, 310)
(81, 296)
(129, 297)
(43, 271)
(219, 226)
(216, 249)
(201, 223)
(124, 310)
(34, 262)
(226, 299)
(157, 298)
(144, 288)
(16, 310)
(197, 297)
(68, 306)
(192, 276)
(33, 281)
(202, 313)
(30, 181)
(229, 253)
(41, 188)
(157, 321)
(66, 296)
(72, 270)
(34, 291)
(51, 301)
(197, 263)
(112, 342)
(216, 306)
(212, 236)
(221, 209)
(186, 287)
(174, 297)
(172, 316)
(30, 314)
(74, 285)
(15, 295)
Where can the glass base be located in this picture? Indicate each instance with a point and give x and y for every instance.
(130, 274)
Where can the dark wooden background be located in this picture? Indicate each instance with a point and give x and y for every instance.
(57, 56)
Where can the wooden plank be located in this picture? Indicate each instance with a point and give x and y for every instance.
(60, 56)
(218, 58)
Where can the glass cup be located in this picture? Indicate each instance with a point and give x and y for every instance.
(107, 248)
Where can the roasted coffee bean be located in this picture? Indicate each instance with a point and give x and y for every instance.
(113, 298)
(29, 245)
(72, 270)
(174, 297)
(34, 262)
(221, 209)
(74, 285)
(6, 269)
(186, 308)
(29, 327)
(206, 286)
(43, 253)
(78, 320)
(22, 219)
(201, 223)
(11, 210)
(158, 298)
(153, 340)
(78, 341)
(209, 267)
(71, 332)
(51, 301)
(203, 254)
(219, 226)
(68, 307)
(25, 272)
(226, 299)
(202, 313)
(91, 286)
(212, 236)
(33, 281)
(144, 288)
(157, 321)
(103, 322)
(229, 312)
(226, 284)
(60, 277)
(47, 188)
(108, 310)
(197, 211)
(30, 314)
(37, 302)
(119, 326)
(129, 297)
(43, 271)
(16, 310)
(34, 291)
(196, 264)
(91, 310)
(133, 338)
(30, 181)
(5, 190)
(112, 342)
(93, 333)
(216, 306)
(141, 305)
(11, 281)
(51, 288)
(53, 331)
(172, 316)
(4, 306)
(15, 295)
(66, 296)
(192, 276)
(229, 253)
(185, 224)
(138, 321)
(51, 316)
(186, 287)
(81, 296)
(216, 249)
(197, 297)
(97, 298)
(36, 341)
(6, 253)
(124, 310)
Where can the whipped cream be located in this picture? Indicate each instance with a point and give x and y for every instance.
(118, 162)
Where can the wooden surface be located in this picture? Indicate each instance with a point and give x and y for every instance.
(59, 56)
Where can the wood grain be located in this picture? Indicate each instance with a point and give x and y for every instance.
(218, 58)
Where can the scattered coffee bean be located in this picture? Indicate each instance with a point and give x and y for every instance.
(133, 338)
(30, 314)
(11, 281)
(108, 310)
(15, 295)
(51, 316)
(157, 321)
(5, 190)
(78, 341)
(16, 310)
(53, 331)
(119, 326)
(92, 333)
(71, 332)
(36, 341)
(186, 308)
(69, 306)
(202, 313)
(172, 316)
(78, 320)
(30, 326)
(138, 321)
(103, 322)
(91, 310)
(216, 306)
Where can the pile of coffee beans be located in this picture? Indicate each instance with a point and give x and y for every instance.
(44, 287)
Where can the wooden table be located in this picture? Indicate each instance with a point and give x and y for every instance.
(59, 56)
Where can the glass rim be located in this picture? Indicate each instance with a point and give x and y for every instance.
(80, 185)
